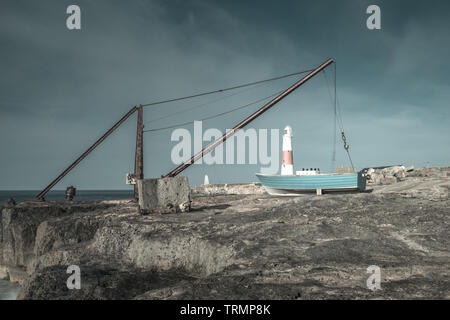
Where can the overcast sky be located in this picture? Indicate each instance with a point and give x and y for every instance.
(60, 90)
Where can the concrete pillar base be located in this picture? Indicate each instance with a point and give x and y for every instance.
(165, 195)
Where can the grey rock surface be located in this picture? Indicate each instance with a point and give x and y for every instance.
(19, 230)
(99, 283)
(251, 246)
(223, 189)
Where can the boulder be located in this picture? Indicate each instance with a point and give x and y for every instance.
(386, 175)
(395, 171)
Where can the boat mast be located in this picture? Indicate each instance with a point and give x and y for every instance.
(249, 119)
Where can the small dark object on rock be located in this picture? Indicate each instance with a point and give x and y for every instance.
(169, 208)
(9, 203)
(70, 193)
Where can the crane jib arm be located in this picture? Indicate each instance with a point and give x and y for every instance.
(249, 119)
(42, 194)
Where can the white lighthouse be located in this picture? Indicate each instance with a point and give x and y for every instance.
(287, 163)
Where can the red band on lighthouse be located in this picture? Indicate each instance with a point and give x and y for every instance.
(287, 157)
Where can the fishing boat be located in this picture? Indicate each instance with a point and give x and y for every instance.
(289, 185)
(306, 180)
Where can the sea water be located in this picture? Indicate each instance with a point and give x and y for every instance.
(9, 290)
(20, 196)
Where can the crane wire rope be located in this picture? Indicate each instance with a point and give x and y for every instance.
(333, 101)
(226, 89)
(200, 105)
(215, 115)
(338, 116)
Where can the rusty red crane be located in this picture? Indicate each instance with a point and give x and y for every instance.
(139, 157)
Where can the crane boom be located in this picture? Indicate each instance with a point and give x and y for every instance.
(249, 119)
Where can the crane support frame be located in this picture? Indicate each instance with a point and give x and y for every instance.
(249, 119)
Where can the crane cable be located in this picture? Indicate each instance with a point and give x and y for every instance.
(338, 116)
(226, 89)
(333, 157)
(337, 113)
(199, 105)
(216, 115)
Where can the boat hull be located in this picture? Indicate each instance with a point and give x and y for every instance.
(296, 184)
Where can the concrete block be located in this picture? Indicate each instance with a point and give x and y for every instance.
(164, 195)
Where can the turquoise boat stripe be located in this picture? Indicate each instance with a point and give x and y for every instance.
(310, 182)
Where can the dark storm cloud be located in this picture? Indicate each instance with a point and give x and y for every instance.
(61, 89)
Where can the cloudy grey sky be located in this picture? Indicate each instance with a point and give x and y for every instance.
(60, 89)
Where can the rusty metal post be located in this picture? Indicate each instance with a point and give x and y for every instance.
(249, 119)
(41, 195)
(139, 156)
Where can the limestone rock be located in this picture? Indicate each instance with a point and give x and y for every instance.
(238, 246)
(387, 175)
(232, 188)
